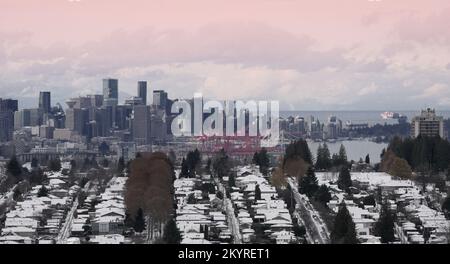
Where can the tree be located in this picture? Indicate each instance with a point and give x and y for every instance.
(34, 163)
(308, 184)
(367, 159)
(37, 177)
(295, 167)
(257, 193)
(184, 169)
(103, 148)
(369, 200)
(172, 157)
(139, 221)
(323, 160)
(17, 195)
(105, 163)
(150, 188)
(344, 228)
(121, 165)
(298, 150)
(219, 195)
(344, 181)
(54, 165)
(384, 227)
(262, 160)
(446, 206)
(13, 167)
(395, 165)
(323, 194)
(342, 157)
(222, 164)
(42, 191)
(232, 180)
(172, 234)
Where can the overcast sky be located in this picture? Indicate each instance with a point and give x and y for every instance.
(310, 55)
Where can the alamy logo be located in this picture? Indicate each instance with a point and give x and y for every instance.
(251, 118)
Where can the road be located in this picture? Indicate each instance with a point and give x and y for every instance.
(316, 228)
(66, 229)
(233, 222)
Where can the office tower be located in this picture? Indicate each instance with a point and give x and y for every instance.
(28, 117)
(110, 92)
(75, 118)
(160, 99)
(427, 124)
(96, 100)
(141, 125)
(7, 109)
(142, 91)
(45, 102)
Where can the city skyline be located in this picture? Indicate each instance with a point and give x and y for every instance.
(344, 57)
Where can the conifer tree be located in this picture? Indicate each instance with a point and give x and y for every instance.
(139, 221)
(384, 228)
(308, 184)
(344, 228)
(172, 234)
(344, 181)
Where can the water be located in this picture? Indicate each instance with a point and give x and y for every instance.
(356, 149)
(370, 117)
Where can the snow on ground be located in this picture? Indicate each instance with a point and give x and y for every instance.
(372, 178)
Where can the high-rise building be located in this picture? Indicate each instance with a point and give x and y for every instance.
(110, 91)
(141, 125)
(427, 124)
(142, 91)
(75, 118)
(45, 102)
(160, 99)
(7, 109)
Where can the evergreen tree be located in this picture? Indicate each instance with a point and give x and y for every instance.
(34, 163)
(342, 156)
(344, 228)
(344, 181)
(257, 192)
(13, 167)
(139, 221)
(221, 164)
(323, 160)
(172, 234)
(232, 180)
(367, 159)
(384, 228)
(121, 165)
(54, 165)
(446, 206)
(369, 200)
(42, 191)
(184, 169)
(308, 184)
(323, 194)
(298, 149)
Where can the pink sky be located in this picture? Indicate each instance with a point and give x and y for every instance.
(333, 47)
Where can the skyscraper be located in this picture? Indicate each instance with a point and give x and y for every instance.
(142, 91)
(45, 102)
(7, 109)
(110, 92)
(427, 124)
(141, 124)
(160, 99)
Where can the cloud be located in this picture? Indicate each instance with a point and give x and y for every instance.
(372, 88)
